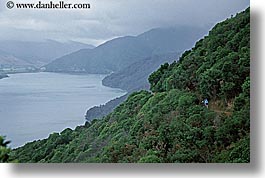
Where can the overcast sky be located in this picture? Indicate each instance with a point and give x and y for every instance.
(110, 18)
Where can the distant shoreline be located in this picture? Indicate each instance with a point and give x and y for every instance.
(3, 76)
(77, 72)
(17, 72)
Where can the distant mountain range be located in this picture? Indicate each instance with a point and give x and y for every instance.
(36, 53)
(119, 53)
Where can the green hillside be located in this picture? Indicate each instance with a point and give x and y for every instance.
(170, 124)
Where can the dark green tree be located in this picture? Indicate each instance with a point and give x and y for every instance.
(4, 150)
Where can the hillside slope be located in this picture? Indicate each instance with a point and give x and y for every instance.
(132, 78)
(98, 112)
(170, 125)
(9, 59)
(135, 76)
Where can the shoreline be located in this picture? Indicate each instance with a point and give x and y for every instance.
(2, 76)
(83, 120)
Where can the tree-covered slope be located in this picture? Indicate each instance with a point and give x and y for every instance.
(97, 112)
(170, 124)
(135, 76)
(132, 78)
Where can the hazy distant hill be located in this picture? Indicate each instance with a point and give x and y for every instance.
(9, 59)
(39, 53)
(166, 40)
(119, 53)
(135, 76)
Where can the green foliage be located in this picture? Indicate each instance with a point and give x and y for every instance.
(238, 152)
(155, 77)
(150, 157)
(171, 125)
(4, 151)
(215, 67)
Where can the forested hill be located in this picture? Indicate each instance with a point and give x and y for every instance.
(135, 76)
(170, 124)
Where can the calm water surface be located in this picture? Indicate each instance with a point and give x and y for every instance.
(33, 105)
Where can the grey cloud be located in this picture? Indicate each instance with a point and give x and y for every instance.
(111, 18)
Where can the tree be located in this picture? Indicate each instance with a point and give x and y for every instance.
(150, 157)
(4, 151)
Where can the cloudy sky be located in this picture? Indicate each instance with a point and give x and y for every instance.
(107, 19)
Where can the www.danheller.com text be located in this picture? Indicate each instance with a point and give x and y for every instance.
(48, 5)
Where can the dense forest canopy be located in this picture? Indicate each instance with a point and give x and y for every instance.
(170, 124)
